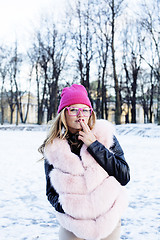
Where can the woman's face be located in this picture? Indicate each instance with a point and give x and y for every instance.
(74, 116)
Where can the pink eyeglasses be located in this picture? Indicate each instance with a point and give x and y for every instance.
(73, 111)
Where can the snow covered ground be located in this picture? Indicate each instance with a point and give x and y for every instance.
(25, 213)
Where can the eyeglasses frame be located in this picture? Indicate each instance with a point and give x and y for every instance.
(79, 109)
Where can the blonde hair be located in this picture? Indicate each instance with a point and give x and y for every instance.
(59, 129)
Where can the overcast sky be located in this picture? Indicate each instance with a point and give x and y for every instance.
(17, 17)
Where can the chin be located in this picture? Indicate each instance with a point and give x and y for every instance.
(74, 130)
(78, 128)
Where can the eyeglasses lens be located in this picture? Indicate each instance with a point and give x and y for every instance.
(75, 111)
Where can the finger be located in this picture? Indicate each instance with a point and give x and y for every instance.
(81, 136)
(81, 133)
(85, 126)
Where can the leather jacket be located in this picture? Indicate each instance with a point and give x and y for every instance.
(112, 160)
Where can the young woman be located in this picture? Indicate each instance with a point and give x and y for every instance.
(85, 171)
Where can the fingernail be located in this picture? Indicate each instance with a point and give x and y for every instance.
(83, 120)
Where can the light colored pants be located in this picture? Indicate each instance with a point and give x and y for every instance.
(66, 235)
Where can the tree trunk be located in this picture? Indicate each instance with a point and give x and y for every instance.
(133, 110)
(106, 107)
(2, 106)
(158, 104)
(103, 93)
(134, 88)
(11, 117)
(116, 84)
(151, 104)
(98, 99)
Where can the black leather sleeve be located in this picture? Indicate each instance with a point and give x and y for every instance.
(52, 195)
(111, 160)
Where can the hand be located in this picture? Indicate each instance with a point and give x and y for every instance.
(86, 135)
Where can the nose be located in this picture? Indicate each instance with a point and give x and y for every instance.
(80, 113)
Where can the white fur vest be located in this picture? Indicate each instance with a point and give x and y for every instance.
(92, 200)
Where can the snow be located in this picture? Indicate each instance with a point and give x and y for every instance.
(27, 215)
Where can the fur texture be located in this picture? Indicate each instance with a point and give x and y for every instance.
(92, 200)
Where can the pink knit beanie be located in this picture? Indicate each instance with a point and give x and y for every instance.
(76, 94)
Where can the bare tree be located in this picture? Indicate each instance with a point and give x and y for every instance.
(116, 8)
(15, 62)
(35, 54)
(83, 38)
(57, 53)
(24, 112)
(3, 74)
(101, 23)
(11, 95)
(150, 22)
(151, 85)
(135, 65)
(145, 98)
(40, 60)
(49, 54)
(132, 45)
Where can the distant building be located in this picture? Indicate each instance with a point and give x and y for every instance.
(140, 117)
(32, 110)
